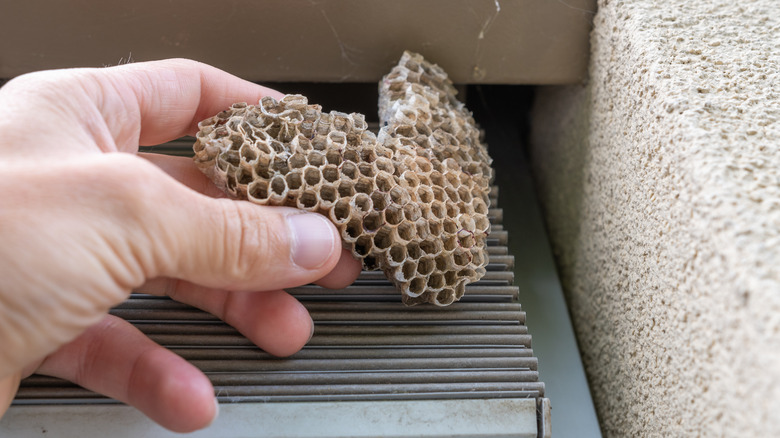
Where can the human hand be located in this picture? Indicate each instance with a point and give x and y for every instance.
(84, 220)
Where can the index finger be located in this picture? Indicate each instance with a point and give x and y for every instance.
(168, 98)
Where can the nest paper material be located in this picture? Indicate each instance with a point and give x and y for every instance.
(411, 201)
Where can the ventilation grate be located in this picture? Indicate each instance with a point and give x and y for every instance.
(366, 346)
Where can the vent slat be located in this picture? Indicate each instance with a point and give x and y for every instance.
(356, 331)
(367, 345)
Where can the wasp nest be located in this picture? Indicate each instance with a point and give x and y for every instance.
(412, 200)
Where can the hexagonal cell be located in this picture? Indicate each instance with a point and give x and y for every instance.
(431, 246)
(308, 200)
(380, 200)
(384, 237)
(461, 257)
(328, 195)
(362, 203)
(366, 169)
(364, 185)
(346, 188)
(399, 195)
(337, 140)
(424, 194)
(417, 286)
(278, 188)
(372, 221)
(333, 156)
(397, 253)
(384, 181)
(406, 231)
(297, 160)
(349, 169)
(446, 296)
(425, 265)
(316, 158)
(312, 175)
(438, 209)
(330, 173)
(385, 165)
(449, 242)
(363, 245)
(258, 191)
(435, 281)
(413, 250)
(393, 214)
(409, 270)
(353, 229)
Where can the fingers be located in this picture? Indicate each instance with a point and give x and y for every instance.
(273, 320)
(343, 274)
(117, 108)
(115, 359)
(8, 387)
(172, 96)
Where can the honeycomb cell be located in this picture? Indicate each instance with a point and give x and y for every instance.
(372, 221)
(411, 200)
(346, 188)
(426, 265)
(316, 158)
(384, 181)
(394, 214)
(349, 169)
(380, 200)
(397, 253)
(341, 211)
(297, 161)
(308, 200)
(312, 175)
(258, 191)
(412, 212)
(413, 250)
(436, 281)
(406, 231)
(409, 270)
(366, 169)
(362, 203)
(383, 238)
(364, 185)
(399, 196)
(328, 194)
(330, 173)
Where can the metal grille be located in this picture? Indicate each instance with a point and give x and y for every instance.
(367, 345)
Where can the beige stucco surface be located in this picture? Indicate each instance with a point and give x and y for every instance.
(660, 183)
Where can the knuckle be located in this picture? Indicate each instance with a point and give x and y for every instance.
(129, 178)
(253, 242)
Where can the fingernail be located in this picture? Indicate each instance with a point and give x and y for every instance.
(312, 240)
(311, 335)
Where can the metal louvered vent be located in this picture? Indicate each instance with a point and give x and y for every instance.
(367, 346)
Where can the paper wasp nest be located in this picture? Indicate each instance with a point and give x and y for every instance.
(412, 200)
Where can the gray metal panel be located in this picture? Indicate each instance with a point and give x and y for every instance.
(431, 418)
(475, 41)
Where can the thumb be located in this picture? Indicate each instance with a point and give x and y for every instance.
(237, 245)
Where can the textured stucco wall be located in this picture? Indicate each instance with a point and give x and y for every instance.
(660, 181)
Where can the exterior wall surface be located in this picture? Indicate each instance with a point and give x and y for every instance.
(660, 181)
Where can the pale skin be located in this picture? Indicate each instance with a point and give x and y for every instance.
(85, 219)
